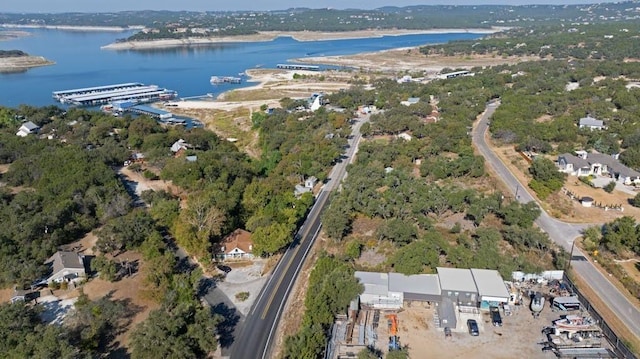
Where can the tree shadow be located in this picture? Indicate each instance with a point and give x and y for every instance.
(227, 326)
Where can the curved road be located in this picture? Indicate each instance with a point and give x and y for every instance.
(258, 331)
(560, 232)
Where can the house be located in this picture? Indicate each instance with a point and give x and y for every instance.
(597, 164)
(237, 245)
(591, 123)
(315, 101)
(66, 267)
(28, 128)
(310, 182)
(405, 136)
(299, 190)
(179, 145)
(459, 286)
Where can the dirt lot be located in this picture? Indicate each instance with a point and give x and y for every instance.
(517, 338)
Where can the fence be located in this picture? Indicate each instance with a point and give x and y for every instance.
(620, 349)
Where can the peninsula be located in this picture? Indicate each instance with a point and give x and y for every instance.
(263, 36)
(18, 61)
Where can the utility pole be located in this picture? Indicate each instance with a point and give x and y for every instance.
(573, 243)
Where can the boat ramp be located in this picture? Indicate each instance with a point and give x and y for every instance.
(100, 95)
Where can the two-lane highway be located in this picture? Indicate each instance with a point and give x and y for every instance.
(257, 334)
(561, 233)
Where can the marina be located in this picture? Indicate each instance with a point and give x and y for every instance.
(100, 95)
(298, 67)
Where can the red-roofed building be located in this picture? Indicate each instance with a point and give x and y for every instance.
(237, 245)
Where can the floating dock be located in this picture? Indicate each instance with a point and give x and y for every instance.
(225, 80)
(95, 96)
(298, 67)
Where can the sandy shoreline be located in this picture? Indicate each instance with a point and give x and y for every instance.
(297, 35)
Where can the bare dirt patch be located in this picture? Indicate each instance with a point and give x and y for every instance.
(129, 289)
(411, 59)
(632, 267)
(143, 183)
(4, 168)
(517, 338)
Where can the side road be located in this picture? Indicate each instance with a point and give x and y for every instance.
(560, 232)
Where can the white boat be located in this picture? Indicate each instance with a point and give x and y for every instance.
(574, 323)
(537, 303)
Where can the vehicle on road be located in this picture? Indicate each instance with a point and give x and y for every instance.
(496, 318)
(473, 327)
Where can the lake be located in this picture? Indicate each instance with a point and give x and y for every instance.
(81, 63)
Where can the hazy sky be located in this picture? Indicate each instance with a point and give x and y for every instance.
(34, 6)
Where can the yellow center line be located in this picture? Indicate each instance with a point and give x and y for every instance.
(282, 274)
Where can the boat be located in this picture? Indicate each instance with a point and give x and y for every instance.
(574, 323)
(537, 303)
(225, 79)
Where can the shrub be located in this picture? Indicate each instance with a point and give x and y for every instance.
(149, 175)
(242, 296)
(609, 187)
(635, 201)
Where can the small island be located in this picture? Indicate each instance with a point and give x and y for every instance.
(20, 61)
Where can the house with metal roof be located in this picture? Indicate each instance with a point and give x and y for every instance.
(458, 285)
(491, 287)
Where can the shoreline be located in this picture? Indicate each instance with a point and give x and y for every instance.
(22, 63)
(302, 36)
(74, 28)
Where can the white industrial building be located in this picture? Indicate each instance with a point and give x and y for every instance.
(466, 288)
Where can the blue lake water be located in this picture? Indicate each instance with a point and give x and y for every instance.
(81, 63)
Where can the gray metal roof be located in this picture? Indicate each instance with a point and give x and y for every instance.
(489, 283)
(30, 126)
(456, 279)
(374, 282)
(591, 122)
(419, 283)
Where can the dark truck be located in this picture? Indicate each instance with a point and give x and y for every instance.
(496, 319)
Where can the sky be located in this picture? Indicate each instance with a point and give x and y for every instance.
(35, 6)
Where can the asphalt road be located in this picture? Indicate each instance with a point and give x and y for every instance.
(258, 330)
(560, 232)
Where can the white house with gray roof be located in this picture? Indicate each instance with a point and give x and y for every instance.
(591, 123)
(65, 267)
(597, 164)
(28, 128)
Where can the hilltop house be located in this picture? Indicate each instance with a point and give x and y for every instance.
(28, 128)
(597, 164)
(237, 245)
(65, 267)
(179, 145)
(591, 123)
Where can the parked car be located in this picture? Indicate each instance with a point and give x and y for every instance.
(223, 268)
(496, 319)
(473, 327)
